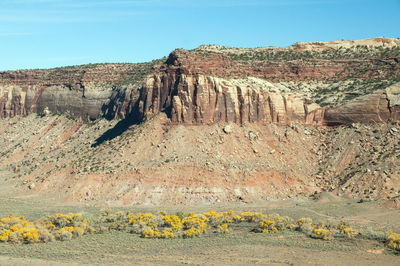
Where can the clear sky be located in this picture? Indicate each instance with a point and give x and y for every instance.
(51, 33)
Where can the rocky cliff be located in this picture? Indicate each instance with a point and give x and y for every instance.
(292, 64)
(89, 91)
(223, 84)
(200, 99)
(380, 106)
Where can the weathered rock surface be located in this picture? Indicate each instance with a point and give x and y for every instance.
(159, 163)
(199, 99)
(329, 61)
(89, 91)
(380, 106)
(211, 84)
(88, 101)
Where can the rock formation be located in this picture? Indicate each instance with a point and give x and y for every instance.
(380, 106)
(221, 84)
(211, 85)
(89, 91)
(200, 99)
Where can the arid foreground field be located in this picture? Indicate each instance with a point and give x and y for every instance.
(369, 221)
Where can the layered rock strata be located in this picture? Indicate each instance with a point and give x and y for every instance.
(380, 106)
(89, 92)
(287, 67)
(200, 99)
(211, 84)
(88, 101)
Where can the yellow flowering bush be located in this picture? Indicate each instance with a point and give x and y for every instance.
(214, 217)
(303, 221)
(251, 217)
(223, 228)
(172, 221)
(267, 226)
(15, 229)
(60, 226)
(322, 233)
(231, 217)
(393, 241)
(150, 233)
(168, 233)
(346, 230)
(194, 225)
(4, 235)
(273, 223)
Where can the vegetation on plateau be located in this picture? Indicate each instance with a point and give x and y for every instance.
(358, 52)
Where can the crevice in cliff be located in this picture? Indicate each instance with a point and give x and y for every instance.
(388, 106)
(258, 107)
(216, 108)
(196, 108)
(249, 106)
(240, 103)
(173, 91)
(271, 111)
(286, 109)
(226, 108)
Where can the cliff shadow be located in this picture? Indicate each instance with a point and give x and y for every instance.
(114, 132)
(119, 128)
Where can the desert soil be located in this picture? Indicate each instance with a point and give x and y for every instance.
(240, 247)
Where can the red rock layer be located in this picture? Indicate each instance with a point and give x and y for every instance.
(220, 65)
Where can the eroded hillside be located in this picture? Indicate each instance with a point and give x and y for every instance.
(207, 125)
(157, 161)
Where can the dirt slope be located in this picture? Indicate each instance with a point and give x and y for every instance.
(156, 161)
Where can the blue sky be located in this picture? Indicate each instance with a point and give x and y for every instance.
(51, 33)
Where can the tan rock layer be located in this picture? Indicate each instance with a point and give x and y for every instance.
(380, 106)
(86, 102)
(88, 91)
(199, 99)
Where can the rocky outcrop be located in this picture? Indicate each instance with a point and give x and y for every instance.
(373, 43)
(206, 86)
(88, 101)
(88, 92)
(200, 99)
(333, 61)
(276, 66)
(380, 106)
(211, 84)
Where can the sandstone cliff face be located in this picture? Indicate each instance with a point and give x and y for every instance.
(380, 106)
(211, 84)
(89, 92)
(88, 101)
(200, 99)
